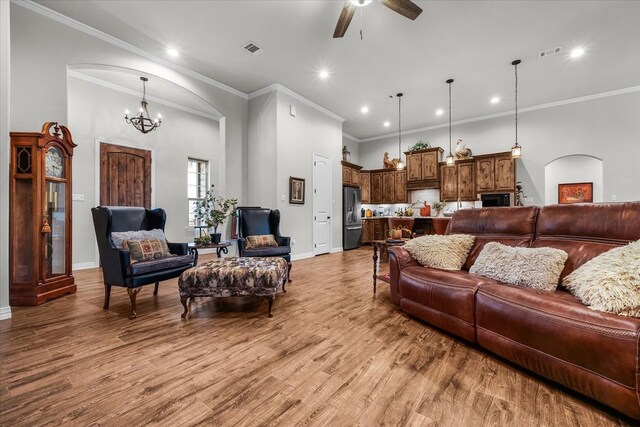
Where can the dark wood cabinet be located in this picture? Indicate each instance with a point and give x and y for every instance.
(466, 180)
(458, 181)
(448, 183)
(40, 215)
(376, 187)
(365, 187)
(368, 230)
(388, 187)
(505, 173)
(422, 168)
(350, 174)
(400, 190)
(495, 173)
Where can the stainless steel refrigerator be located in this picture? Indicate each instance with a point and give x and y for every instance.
(352, 224)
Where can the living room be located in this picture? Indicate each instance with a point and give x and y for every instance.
(269, 102)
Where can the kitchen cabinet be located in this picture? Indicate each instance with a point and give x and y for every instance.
(374, 229)
(367, 230)
(457, 182)
(422, 168)
(388, 187)
(350, 174)
(400, 188)
(376, 187)
(495, 173)
(365, 187)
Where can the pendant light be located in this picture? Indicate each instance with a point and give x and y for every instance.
(450, 158)
(143, 121)
(516, 150)
(400, 165)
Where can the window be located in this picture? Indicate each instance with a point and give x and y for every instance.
(197, 185)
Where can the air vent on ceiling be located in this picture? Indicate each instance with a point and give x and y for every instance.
(549, 52)
(252, 48)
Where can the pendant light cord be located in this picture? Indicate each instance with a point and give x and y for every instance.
(516, 115)
(399, 126)
(449, 82)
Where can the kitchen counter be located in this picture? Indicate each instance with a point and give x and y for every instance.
(393, 216)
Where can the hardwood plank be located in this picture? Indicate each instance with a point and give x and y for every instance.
(333, 354)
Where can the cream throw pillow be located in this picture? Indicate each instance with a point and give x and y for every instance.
(448, 252)
(609, 282)
(537, 268)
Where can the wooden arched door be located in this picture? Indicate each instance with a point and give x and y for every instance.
(125, 176)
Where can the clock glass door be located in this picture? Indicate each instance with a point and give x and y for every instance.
(55, 213)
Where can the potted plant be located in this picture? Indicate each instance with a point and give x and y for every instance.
(438, 206)
(213, 210)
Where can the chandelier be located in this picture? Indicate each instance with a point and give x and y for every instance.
(143, 121)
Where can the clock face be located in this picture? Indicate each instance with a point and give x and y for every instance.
(54, 163)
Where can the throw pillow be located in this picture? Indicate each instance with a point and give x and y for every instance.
(119, 237)
(253, 242)
(144, 250)
(446, 252)
(609, 282)
(537, 268)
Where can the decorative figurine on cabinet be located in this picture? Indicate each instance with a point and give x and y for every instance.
(462, 152)
(40, 215)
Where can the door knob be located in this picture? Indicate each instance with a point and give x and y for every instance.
(328, 217)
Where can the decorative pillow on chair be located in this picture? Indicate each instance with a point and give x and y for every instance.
(253, 242)
(537, 268)
(609, 282)
(446, 252)
(120, 237)
(144, 250)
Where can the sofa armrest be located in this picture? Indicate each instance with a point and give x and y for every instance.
(241, 246)
(399, 258)
(178, 248)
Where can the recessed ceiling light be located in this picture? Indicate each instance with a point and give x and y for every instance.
(386, 124)
(323, 74)
(439, 112)
(364, 109)
(173, 52)
(577, 52)
(495, 100)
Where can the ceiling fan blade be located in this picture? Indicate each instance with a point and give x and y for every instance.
(344, 20)
(406, 8)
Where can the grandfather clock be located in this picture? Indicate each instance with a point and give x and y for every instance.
(40, 215)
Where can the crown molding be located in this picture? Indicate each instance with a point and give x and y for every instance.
(511, 112)
(353, 138)
(70, 22)
(118, 88)
(295, 95)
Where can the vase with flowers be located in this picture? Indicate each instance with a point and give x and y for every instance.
(438, 207)
(213, 210)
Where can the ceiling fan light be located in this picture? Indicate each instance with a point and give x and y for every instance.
(450, 160)
(360, 3)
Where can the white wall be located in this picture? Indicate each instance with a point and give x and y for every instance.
(97, 112)
(5, 59)
(571, 169)
(353, 147)
(298, 138)
(607, 128)
(281, 146)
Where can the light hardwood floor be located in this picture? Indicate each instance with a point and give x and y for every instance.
(333, 354)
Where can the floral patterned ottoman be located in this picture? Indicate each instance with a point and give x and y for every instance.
(229, 277)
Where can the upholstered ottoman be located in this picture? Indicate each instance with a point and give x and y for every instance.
(230, 277)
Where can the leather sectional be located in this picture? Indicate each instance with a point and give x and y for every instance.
(550, 333)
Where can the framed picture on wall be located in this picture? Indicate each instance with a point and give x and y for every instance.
(296, 190)
(577, 192)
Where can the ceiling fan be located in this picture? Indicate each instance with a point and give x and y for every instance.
(406, 8)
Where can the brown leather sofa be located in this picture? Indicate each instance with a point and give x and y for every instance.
(550, 333)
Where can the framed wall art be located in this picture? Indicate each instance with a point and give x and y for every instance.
(296, 190)
(577, 192)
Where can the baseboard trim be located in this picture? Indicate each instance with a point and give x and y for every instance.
(336, 250)
(305, 255)
(84, 265)
(5, 313)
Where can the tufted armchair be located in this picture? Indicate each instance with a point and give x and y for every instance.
(117, 268)
(261, 221)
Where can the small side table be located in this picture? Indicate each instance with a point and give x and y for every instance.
(221, 248)
(382, 246)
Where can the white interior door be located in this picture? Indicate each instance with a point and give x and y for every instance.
(321, 204)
